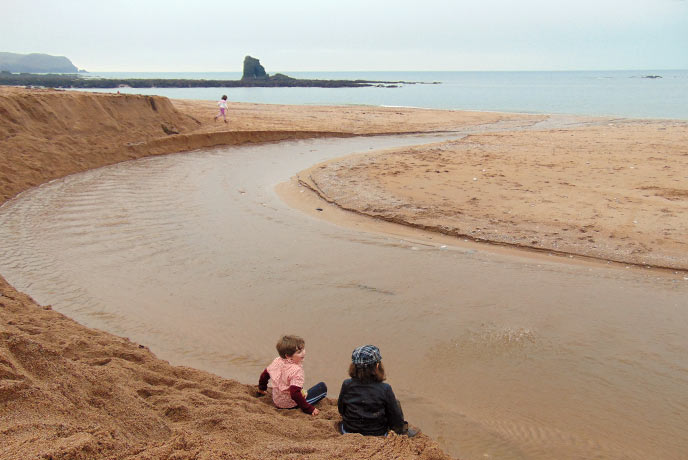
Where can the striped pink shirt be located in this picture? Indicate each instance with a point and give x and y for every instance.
(285, 373)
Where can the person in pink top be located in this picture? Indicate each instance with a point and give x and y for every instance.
(222, 104)
(286, 373)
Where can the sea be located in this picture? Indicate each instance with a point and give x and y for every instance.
(647, 93)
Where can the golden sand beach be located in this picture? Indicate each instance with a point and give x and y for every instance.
(611, 190)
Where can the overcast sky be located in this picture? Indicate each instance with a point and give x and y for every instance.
(309, 35)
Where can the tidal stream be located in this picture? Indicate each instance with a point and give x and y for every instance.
(494, 355)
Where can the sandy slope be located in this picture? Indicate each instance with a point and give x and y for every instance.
(69, 392)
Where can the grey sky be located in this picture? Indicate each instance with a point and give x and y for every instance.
(304, 35)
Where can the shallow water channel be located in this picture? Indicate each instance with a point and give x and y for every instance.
(494, 355)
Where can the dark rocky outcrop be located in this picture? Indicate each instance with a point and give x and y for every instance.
(254, 76)
(282, 77)
(36, 63)
(253, 70)
(276, 81)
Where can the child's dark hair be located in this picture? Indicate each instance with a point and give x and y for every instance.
(289, 344)
(368, 374)
(224, 97)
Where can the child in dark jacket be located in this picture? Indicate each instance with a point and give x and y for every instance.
(367, 404)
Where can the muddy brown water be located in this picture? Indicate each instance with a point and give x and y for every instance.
(495, 355)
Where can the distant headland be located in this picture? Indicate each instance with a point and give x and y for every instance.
(254, 75)
(36, 63)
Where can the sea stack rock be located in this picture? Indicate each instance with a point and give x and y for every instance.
(253, 70)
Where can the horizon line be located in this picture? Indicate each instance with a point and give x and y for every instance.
(397, 70)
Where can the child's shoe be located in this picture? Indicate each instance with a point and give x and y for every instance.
(409, 431)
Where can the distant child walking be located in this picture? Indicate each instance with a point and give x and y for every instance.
(286, 373)
(367, 404)
(222, 104)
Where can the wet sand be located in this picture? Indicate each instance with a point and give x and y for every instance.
(614, 191)
(490, 333)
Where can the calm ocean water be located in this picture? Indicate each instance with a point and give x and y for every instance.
(610, 93)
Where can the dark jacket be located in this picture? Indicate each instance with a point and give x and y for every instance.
(369, 408)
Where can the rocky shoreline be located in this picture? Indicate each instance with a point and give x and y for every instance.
(275, 81)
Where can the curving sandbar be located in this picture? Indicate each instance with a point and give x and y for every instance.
(613, 190)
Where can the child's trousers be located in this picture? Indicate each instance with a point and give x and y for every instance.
(316, 393)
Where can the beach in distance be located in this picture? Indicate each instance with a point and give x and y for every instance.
(616, 93)
(527, 279)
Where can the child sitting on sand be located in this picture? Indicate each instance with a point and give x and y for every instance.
(367, 404)
(286, 372)
(222, 104)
